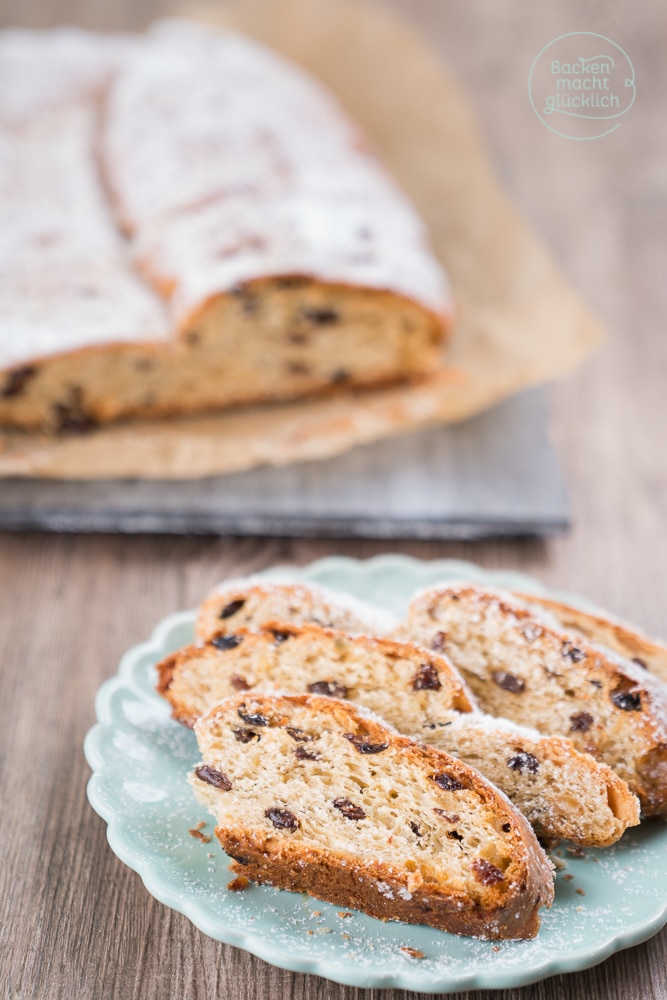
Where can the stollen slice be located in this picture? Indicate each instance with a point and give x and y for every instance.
(563, 793)
(313, 795)
(521, 664)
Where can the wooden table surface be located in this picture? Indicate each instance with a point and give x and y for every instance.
(74, 921)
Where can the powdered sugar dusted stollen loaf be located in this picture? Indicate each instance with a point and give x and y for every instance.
(311, 795)
(620, 637)
(563, 793)
(266, 254)
(521, 664)
(250, 605)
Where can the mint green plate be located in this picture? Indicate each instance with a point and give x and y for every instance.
(140, 758)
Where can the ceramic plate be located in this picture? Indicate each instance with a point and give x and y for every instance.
(140, 758)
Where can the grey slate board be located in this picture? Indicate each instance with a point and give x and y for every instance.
(496, 474)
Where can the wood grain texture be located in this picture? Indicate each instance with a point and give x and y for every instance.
(74, 921)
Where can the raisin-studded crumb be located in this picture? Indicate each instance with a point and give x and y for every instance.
(212, 777)
(231, 609)
(446, 782)
(223, 642)
(439, 642)
(448, 817)
(282, 819)
(246, 735)
(581, 722)
(508, 682)
(363, 745)
(298, 734)
(485, 872)
(349, 809)
(331, 689)
(572, 652)
(524, 762)
(298, 368)
(320, 317)
(252, 718)
(427, 678)
(629, 701)
(16, 381)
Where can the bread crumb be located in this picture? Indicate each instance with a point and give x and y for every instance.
(238, 884)
(345, 937)
(343, 914)
(324, 930)
(495, 948)
(317, 913)
(310, 933)
(412, 952)
(580, 892)
(198, 835)
(558, 863)
(568, 878)
(200, 825)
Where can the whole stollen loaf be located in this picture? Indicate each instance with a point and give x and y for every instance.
(313, 795)
(189, 222)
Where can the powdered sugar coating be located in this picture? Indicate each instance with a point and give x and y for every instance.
(66, 281)
(42, 71)
(220, 183)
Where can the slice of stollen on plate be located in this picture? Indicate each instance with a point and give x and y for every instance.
(326, 800)
(563, 793)
(521, 664)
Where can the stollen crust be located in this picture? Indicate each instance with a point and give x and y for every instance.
(624, 639)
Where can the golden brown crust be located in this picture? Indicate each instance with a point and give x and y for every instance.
(331, 878)
(618, 636)
(504, 908)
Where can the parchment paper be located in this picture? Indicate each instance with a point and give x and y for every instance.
(519, 323)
